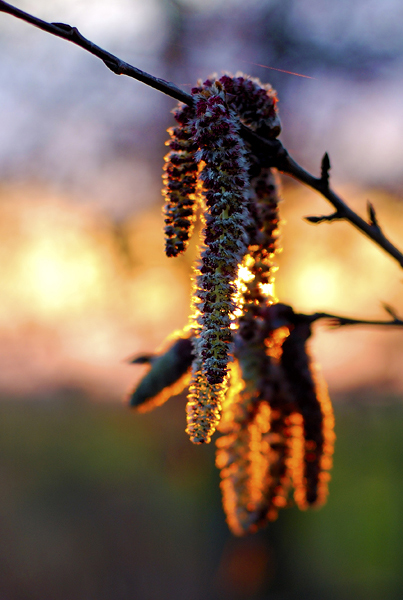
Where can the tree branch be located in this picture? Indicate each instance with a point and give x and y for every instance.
(337, 321)
(272, 151)
(286, 164)
(115, 64)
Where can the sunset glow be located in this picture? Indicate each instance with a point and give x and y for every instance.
(73, 305)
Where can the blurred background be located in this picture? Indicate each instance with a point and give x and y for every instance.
(99, 503)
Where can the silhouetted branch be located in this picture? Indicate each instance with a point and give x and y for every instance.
(338, 321)
(372, 218)
(288, 165)
(115, 64)
(274, 153)
(322, 218)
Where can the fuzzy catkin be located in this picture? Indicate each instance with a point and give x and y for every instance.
(203, 408)
(316, 411)
(225, 183)
(243, 463)
(241, 456)
(180, 182)
(244, 353)
(253, 454)
(254, 102)
(212, 126)
(225, 187)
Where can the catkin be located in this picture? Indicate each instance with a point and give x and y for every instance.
(317, 418)
(169, 372)
(180, 182)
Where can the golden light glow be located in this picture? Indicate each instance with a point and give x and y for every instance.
(267, 289)
(74, 293)
(71, 281)
(318, 282)
(59, 278)
(244, 274)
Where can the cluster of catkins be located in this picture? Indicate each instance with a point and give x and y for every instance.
(243, 355)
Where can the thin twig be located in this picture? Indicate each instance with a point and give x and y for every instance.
(372, 231)
(115, 64)
(337, 321)
(275, 153)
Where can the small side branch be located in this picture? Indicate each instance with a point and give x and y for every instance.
(338, 321)
(322, 218)
(324, 169)
(372, 218)
(287, 164)
(271, 151)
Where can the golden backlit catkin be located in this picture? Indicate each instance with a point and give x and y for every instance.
(244, 353)
(263, 238)
(242, 455)
(317, 418)
(243, 464)
(203, 408)
(252, 456)
(226, 187)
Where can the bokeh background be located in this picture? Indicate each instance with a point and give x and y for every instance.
(99, 503)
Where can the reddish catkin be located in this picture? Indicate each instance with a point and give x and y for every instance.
(180, 182)
(255, 103)
(263, 243)
(313, 404)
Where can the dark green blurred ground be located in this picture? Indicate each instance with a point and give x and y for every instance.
(99, 503)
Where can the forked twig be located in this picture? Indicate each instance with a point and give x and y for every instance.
(273, 151)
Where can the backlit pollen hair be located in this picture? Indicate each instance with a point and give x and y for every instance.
(244, 356)
(180, 181)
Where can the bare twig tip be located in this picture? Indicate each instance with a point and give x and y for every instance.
(373, 221)
(390, 310)
(322, 218)
(325, 168)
